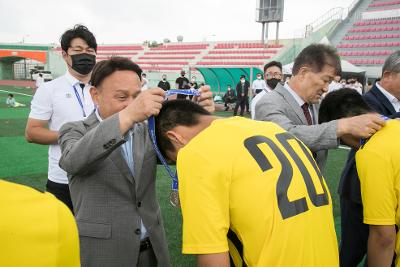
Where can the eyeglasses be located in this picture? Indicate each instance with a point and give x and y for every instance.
(80, 49)
(276, 75)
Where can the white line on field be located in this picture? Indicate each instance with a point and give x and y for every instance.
(10, 92)
(345, 147)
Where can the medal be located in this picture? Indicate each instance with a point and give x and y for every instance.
(174, 198)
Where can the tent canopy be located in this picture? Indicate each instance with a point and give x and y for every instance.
(220, 77)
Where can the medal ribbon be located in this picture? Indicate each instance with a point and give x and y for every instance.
(153, 138)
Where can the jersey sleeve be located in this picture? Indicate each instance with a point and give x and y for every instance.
(377, 188)
(204, 195)
(41, 105)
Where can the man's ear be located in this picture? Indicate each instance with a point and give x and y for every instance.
(303, 71)
(175, 138)
(95, 95)
(64, 55)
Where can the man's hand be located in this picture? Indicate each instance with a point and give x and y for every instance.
(205, 99)
(146, 104)
(362, 126)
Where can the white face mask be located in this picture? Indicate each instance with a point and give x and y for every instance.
(258, 77)
(242, 80)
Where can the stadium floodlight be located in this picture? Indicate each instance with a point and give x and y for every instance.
(269, 11)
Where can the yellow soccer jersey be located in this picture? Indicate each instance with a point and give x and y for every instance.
(254, 183)
(378, 166)
(36, 229)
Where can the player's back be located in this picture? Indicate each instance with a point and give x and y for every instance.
(36, 229)
(280, 206)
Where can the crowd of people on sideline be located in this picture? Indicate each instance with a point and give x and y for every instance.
(257, 197)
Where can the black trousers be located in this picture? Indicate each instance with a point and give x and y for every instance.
(60, 191)
(228, 101)
(247, 104)
(240, 102)
(354, 237)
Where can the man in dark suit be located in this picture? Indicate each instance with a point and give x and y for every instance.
(242, 95)
(384, 98)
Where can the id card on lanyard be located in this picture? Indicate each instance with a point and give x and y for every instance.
(78, 97)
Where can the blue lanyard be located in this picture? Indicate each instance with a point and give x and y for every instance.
(153, 139)
(80, 101)
(363, 141)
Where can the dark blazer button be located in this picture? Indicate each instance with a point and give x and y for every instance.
(139, 204)
(137, 231)
(105, 146)
(112, 141)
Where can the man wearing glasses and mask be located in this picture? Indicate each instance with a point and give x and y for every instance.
(272, 76)
(63, 100)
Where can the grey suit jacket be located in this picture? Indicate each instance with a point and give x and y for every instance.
(108, 200)
(279, 106)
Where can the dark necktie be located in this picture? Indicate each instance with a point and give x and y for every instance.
(82, 85)
(306, 112)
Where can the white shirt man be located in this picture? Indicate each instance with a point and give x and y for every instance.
(145, 82)
(63, 100)
(258, 85)
(254, 101)
(58, 102)
(39, 80)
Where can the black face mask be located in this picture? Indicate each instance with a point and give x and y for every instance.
(272, 83)
(83, 63)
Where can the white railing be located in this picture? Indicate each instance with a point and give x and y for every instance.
(352, 6)
(333, 14)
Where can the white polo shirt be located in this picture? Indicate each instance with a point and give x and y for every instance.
(258, 84)
(254, 101)
(57, 103)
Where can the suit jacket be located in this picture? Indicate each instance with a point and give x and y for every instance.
(279, 106)
(349, 185)
(242, 89)
(108, 200)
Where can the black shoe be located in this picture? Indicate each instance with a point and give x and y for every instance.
(226, 108)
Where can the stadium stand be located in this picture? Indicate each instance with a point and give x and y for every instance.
(367, 42)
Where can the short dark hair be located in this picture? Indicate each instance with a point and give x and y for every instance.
(79, 31)
(316, 56)
(174, 113)
(105, 68)
(10, 95)
(342, 103)
(273, 63)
